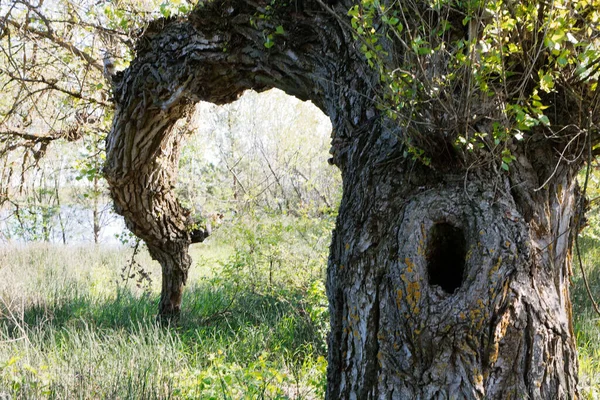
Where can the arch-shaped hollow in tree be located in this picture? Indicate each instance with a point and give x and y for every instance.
(273, 149)
(446, 251)
(214, 55)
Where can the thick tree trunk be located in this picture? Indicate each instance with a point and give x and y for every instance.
(441, 287)
(443, 282)
(175, 263)
(214, 56)
(145, 198)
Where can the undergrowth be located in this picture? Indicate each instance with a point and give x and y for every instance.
(71, 329)
(253, 323)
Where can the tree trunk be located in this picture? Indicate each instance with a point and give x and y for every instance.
(211, 56)
(443, 281)
(450, 285)
(61, 222)
(175, 263)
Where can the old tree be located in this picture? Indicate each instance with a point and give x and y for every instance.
(459, 128)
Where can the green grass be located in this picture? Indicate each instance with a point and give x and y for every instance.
(586, 321)
(70, 329)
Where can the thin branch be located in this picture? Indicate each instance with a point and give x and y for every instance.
(28, 136)
(51, 84)
(58, 41)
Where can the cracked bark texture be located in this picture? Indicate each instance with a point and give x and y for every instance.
(505, 332)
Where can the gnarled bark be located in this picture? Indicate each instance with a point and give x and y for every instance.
(443, 282)
(504, 331)
(214, 55)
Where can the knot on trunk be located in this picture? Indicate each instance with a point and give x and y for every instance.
(202, 227)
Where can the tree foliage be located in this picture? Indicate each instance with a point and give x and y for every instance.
(53, 74)
(467, 78)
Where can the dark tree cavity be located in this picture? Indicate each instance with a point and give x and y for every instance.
(447, 280)
(446, 256)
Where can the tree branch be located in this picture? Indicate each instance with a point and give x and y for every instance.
(51, 84)
(59, 42)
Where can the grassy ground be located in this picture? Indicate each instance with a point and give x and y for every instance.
(70, 328)
(587, 322)
(252, 325)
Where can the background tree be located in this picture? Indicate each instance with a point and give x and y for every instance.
(459, 129)
(250, 160)
(54, 90)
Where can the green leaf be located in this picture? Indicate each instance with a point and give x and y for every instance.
(546, 82)
(164, 10)
(353, 12)
(544, 119)
(279, 30)
(269, 42)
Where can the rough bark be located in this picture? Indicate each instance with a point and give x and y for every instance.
(214, 55)
(409, 317)
(505, 332)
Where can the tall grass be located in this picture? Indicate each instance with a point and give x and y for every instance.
(586, 321)
(69, 329)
